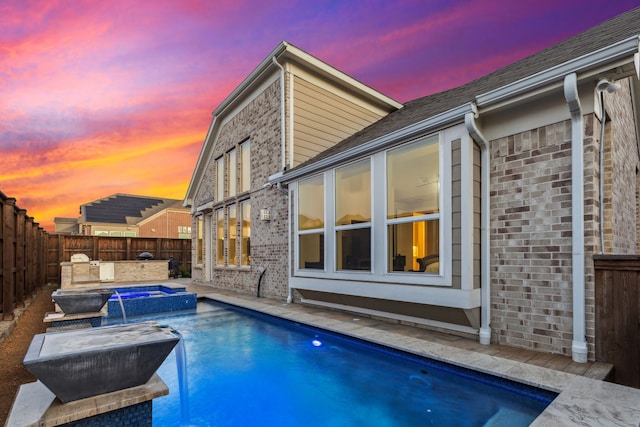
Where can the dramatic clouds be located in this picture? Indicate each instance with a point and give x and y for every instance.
(116, 96)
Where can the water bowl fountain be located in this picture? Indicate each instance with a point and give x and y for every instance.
(81, 300)
(88, 362)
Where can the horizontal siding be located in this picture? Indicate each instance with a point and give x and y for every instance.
(323, 118)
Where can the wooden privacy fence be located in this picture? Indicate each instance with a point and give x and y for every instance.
(61, 247)
(617, 293)
(23, 246)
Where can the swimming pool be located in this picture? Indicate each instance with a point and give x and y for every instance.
(251, 369)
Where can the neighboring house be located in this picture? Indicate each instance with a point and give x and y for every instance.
(478, 209)
(290, 108)
(124, 215)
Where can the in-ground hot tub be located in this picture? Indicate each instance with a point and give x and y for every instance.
(140, 300)
(88, 362)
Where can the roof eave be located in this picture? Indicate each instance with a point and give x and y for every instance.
(586, 66)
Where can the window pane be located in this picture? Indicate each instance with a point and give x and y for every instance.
(220, 178)
(414, 246)
(199, 225)
(353, 250)
(311, 251)
(245, 161)
(311, 204)
(231, 190)
(413, 179)
(245, 245)
(232, 236)
(353, 193)
(220, 236)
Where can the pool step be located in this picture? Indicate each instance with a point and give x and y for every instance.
(508, 417)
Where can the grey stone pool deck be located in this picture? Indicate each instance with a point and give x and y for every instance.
(584, 398)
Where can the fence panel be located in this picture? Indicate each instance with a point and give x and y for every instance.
(617, 296)
(62, 246)
(22, 262)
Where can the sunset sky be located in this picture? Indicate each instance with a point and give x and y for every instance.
(104, 97)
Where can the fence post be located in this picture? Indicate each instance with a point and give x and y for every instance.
(28, 256)
(43, 256)
(8, 263)
(20, 253)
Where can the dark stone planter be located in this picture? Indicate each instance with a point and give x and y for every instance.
(81, 300)
(89, 362)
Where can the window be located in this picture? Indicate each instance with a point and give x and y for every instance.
(311, 223)
(220, 178)
(101, 233)
(245, 224)
(232, 218)
(129, 234)
(413, 215)
(220, 237)
(232, 182)
(353, 216)
(231, 248)
(245, 166)
(199, 242)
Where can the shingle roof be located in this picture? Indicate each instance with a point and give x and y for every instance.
(609, 32)
(117, 208)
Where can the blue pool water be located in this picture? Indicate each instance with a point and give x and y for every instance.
(250, 369)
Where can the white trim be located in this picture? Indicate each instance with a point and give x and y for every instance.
(485, 248)
(395, 316)
(379, 223)
(378, 144)
(430, 295)
(466, 212)
(556, 74)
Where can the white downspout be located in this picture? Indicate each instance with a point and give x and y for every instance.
(283, 154)
(485, 248)
(283, 116)
(579, 346)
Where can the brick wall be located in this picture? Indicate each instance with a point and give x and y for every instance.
(258, 121)
(531, 251)
(166, 224)
(620, 164)
(531, 239)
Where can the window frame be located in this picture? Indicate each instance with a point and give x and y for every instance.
(245, 166)
(379, 222)
(348, 227)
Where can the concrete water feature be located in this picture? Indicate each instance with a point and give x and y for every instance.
(81, 363)
(76, 301)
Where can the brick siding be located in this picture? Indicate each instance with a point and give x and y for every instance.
(258, 121)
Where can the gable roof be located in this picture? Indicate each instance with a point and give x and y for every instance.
(124, 209)
(611, 41)
(267, 69)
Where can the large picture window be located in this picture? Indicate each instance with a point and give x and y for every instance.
(232, 241)
(353, 216)
(220, 178)
(245, 224)
(245, 166)
(232, 181)
(220, 237)
(199, 240)
(413, 213)
(311, 223)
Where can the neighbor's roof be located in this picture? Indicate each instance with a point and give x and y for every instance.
(614, 30)
(125, 208)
